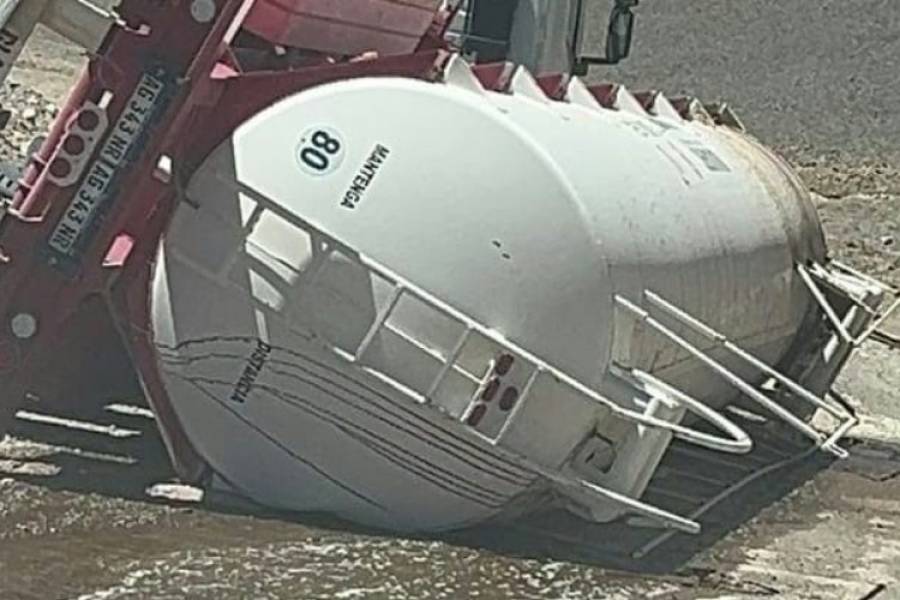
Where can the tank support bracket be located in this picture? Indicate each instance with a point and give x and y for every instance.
(851, 285)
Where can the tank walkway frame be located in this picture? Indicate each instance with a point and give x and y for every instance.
(735, 441)
(563, 480)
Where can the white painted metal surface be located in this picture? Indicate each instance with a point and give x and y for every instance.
(541, 35)
(359, 261)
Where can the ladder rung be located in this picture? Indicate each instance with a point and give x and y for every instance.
(431, 352)
(735, 440)
(449, 363)
(382, 316)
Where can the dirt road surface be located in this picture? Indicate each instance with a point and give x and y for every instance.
(816, 79)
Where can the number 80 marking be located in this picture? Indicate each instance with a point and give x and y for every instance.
(321, 151)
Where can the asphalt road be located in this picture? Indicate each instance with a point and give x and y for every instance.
(820, 74)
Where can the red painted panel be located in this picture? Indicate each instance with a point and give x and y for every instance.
(347, 27)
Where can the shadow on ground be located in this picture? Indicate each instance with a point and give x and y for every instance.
(119, 454)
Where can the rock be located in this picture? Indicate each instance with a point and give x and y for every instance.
(30, 113)
(175, 492)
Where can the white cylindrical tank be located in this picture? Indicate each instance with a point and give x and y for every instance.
(526, 214)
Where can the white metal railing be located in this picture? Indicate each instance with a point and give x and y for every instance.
(826, 442)
(735, 440)
(738, 442)
(817, 271)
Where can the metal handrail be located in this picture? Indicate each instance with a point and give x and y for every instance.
(735, 443)
(578, 489)
(879, 316)
(827, 443)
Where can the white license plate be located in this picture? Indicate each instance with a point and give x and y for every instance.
(93, 190)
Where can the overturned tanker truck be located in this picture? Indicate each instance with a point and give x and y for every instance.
(397, 261)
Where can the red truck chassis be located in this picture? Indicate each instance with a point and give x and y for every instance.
(169, 81)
